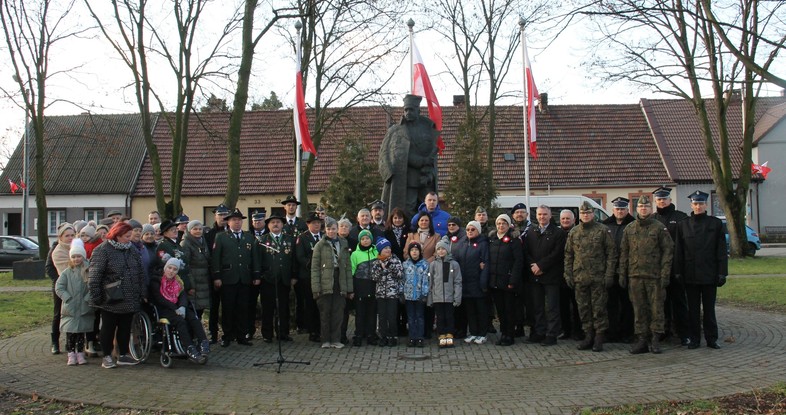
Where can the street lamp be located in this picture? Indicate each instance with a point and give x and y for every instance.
(25, 155)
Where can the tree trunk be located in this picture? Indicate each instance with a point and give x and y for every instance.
(40, 192)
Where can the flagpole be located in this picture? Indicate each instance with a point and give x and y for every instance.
(526, 119)
(411, 24)
(298, 156)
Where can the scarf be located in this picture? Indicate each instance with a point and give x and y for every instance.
(170, 288)
(424, 234)
(398, 231)
(118, 245)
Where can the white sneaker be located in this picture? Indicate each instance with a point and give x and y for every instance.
(326, 345)
(480, 339)
(108, 363)
(337, 345)
(470, 339)
(71, 359)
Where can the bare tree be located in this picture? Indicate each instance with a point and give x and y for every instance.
(192, 59)
(672, 47)
(31, 30)
(350, 51)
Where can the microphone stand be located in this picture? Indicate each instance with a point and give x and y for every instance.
(280, 360)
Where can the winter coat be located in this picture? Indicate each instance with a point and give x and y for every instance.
(76, 314)
(361, 262)
(161, 302)
(429, 246)
(670, 216)
(438, 217)
(147, 260)
(196, 254)
(506, 262)
(416, 283)
(453, 240)
(389, 276)
(60, 257)
(700, 254)
(646, 251)
(323, 265)
(397, 244)
(277, 267)
(304, 246)
(170, 249)
(547, 250)
(470, 253)
(112, 263)
(444, 277)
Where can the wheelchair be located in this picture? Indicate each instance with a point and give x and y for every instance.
(163, 337)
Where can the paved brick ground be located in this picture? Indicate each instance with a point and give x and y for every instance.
(524, 378)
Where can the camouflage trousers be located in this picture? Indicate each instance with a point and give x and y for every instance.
(647, 297)
(591, 300)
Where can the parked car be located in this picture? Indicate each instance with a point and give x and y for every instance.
(16, 248)
(754, 243)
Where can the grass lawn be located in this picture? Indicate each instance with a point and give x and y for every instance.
(757, 266)
(763, 293)
(20, 312)
(7, 280)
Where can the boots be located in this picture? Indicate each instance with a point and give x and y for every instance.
(91, 349)
(204, 347)
(598, 345)
(71, 359)
(55, 343)
(586, 344)
(640, 346)
(655, 343)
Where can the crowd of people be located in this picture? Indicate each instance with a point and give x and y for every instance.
(635, 280)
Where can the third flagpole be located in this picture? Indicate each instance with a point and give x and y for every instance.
(298, 154)
(411, 24)
(526, 130)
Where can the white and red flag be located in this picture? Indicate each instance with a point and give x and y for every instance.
(302, 134)
(761, 169)
(421, 86)
(532, 93)
(14, 186)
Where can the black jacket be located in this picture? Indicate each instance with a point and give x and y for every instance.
(669, 216)
(470, 253)
(396, 244)
(700, 252)
(506, 262)
(546, 249)
(304, 248)
(616, 229)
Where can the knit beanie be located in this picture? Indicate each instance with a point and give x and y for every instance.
(148, 228)
(174, 262)
(63, 227)
(89, 231)
(475, 224)
(77, 250)
(443, 245)
(504, 217)
(134, 224)
(79, 225)
(366, 232)
(382, 243)
(454, 219)
(194, 223)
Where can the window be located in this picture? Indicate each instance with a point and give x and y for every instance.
(94, 214)
(54, 218)
(714, 208)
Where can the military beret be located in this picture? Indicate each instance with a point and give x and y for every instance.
(518, 206)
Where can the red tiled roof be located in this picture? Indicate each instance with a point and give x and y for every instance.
(578, 146)
(675, 126)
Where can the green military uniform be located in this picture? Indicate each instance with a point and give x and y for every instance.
(590, 255)
(278, 271)
(644, 267)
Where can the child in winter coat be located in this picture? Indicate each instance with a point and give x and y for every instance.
(416, 288)
(388, 273)
(444, 292)
(170, 297)
(365, 289)
(76, 314)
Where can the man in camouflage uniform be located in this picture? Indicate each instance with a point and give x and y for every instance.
(590, 256)
(645, 266)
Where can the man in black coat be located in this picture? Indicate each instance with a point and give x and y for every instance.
(278, 276)
(220, 213)
(544, 255)
(701, 263)
(293, 225)
(676, 305)
(619, 307)
(308, 313)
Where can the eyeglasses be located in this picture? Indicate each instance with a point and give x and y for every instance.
(471, 229)
(452, 224)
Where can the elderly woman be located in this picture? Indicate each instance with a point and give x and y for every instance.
(136, 240)
(472, 255)
(117, 260)
(331, 282)
(506, 267)
(56, 263)
(197, 256)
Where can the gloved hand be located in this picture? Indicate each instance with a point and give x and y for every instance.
(721, 280)
(181, 311)
(609, 282)
(678, 278)
(623, 281)
(316, 295)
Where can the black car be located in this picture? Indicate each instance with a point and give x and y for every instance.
(16, 248)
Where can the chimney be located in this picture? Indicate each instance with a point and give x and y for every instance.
(458, 100)
(543, 102)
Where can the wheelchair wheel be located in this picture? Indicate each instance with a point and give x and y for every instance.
(166, 360)
(141, 336)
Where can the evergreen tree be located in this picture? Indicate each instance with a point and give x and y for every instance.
(471, 182)
(269, 103)
(355, 183)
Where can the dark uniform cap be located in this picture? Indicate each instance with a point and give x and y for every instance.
(480, 209)
(518, 206)
(257, 216)
(312, 216)
(586, 207)
(645, 201)
(275, 216)
(412, 101)
(620, 202)
(290, 199)
(182, 219)
(235, 214)
(166, 225)
(698, 197)
(377, 204)
(661, 192)
(221, 209)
